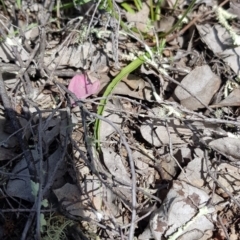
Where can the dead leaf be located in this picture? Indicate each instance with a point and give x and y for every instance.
(157, 135)
(115, 165)
(141, 93)
(202, 83)
(233, 99)
(219, 41)
(44, 100)
(169, 167)
(140, 18)
(106, 129)
(6, 51)
(99, 62)
(32, 33)
(235, 8)
(85, 203)
(216, 37)
(229, 178)
(134, 82)
(140, 164)
(51, 130)
(72, 56)
(135, 87)
(120, 175)
(229, 147)
(178, 208)
(165, 24)
(86, 199)
(233, 59)
(19, 185)
(196, 173)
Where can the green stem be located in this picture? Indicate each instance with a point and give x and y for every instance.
(124, 72)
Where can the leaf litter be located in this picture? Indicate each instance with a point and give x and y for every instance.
(167, 161)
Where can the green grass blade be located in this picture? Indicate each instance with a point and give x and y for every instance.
(138, 4)
(127, 7)
(124, 72)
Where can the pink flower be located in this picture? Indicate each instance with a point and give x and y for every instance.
(83, 87)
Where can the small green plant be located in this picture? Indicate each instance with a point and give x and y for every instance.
(136, 62)
(56, 227)
(127, 7)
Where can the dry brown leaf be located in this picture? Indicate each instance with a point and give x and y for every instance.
(106, 129)
(157, 135)
(144, 93)
(219, 41)
(44, 100)
(6, 50)
(134, 82)
(19, 185)
(216, 37)
(169, 167)
(179, 207)
(140, 18)
(165, 24)
(115, 165)
(88, 200)
(233, 99)
(229, 178)
(85, 203)
(229, 147)
(202, 83)
(69, 56)
(196, 173)
(140, 164)
(235, 7)
(231, 57)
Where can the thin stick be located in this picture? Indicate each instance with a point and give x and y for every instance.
(223, 227)
(217, 182)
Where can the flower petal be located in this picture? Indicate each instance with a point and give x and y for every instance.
(81, 86)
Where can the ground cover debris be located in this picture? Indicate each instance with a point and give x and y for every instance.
(119, 119)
